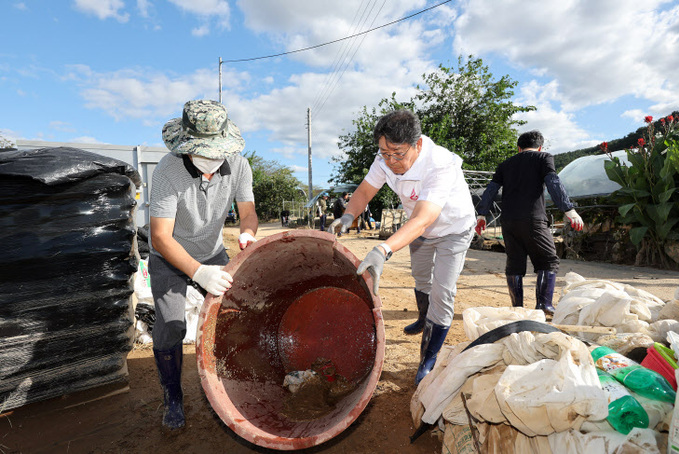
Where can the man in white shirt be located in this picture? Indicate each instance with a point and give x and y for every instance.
(429, 181)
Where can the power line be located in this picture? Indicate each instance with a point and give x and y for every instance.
(336, 81)
(342, 60)
(240, 60)
(344, 48)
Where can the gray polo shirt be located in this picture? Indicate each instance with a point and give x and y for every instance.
(198, 207)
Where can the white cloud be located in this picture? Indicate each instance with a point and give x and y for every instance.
(350, 75)
(145, 94)
(143, 6)
(21, 6)
(85, 139)
(634, 114)
(298, 24)
(559, 127)
(598, 51)
(103, 9)
(206, 10)
(61, 126)
(296, 168)
(203, 30)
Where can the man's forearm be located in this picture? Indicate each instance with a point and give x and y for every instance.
(176, 255)
(249, 224)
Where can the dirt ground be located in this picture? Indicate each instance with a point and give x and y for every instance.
(129, 421)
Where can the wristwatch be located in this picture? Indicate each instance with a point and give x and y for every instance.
(387, 249)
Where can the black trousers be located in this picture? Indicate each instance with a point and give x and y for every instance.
(528, 238)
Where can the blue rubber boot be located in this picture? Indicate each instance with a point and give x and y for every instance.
(432, 341)
(422, 300)
(544, 291)
(515, 285)
(169, 364)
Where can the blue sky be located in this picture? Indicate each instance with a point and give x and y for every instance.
(114, 71)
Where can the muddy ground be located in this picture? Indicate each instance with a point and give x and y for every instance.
(129, 421)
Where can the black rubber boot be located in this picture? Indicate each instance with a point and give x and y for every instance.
(432, 341)
(544, 291)
(169, 365)
(422, 300)
(515, 285)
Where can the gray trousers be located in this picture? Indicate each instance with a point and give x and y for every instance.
(168, 286)
(436, 264)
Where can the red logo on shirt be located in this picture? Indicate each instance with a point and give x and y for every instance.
(414, 196)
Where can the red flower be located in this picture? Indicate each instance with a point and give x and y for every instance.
(662, 120)
(670, 118)
(648, 119)
(641, 142)
(604, 146)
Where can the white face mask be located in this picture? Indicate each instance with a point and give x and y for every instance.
(206, 165)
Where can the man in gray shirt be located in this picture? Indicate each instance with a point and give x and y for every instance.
(192, 191)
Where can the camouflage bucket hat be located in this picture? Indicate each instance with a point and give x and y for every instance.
(203, 130)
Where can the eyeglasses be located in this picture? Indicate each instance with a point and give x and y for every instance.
(395, 156)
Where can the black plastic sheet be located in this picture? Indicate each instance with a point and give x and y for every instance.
(67, 258)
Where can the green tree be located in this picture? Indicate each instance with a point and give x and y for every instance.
(470, 113)
(272, 183)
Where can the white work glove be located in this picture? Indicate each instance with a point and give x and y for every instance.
(213, 279)
(342, 224)
(575, 219)
(373, 263)
(480, 224)
(245, 240)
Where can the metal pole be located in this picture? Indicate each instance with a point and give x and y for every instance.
(311, 186)
(220, 80)
(308, 119)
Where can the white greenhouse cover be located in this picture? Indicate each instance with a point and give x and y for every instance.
(586, 177)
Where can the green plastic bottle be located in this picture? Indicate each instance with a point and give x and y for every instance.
(643, 381)
(624, 411)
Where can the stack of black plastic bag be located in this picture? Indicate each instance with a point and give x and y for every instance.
(67, 257)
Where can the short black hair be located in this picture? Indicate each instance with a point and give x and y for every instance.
(398, 126)
(530, 139)
(345, 193)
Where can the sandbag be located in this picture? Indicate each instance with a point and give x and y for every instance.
(550, 384)
(67, 257)
(479, 320)
(599, 302)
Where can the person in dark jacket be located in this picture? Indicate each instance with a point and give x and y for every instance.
(525, 226)
(339, 206)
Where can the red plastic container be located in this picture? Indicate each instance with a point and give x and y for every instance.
(655, 361)
(295, 298)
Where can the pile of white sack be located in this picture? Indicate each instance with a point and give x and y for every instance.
(598, 302)
(142, 291)
(539, 393)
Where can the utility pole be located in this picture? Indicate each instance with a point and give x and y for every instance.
(311, 186)
(220, 80)
(308, 120)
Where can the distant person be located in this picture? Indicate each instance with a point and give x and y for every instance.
(231, 217)
(365, 218)
(193, 188)
(525, 226)
(429, 181)
(323, 210)
(338, 208)
(285, 218)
